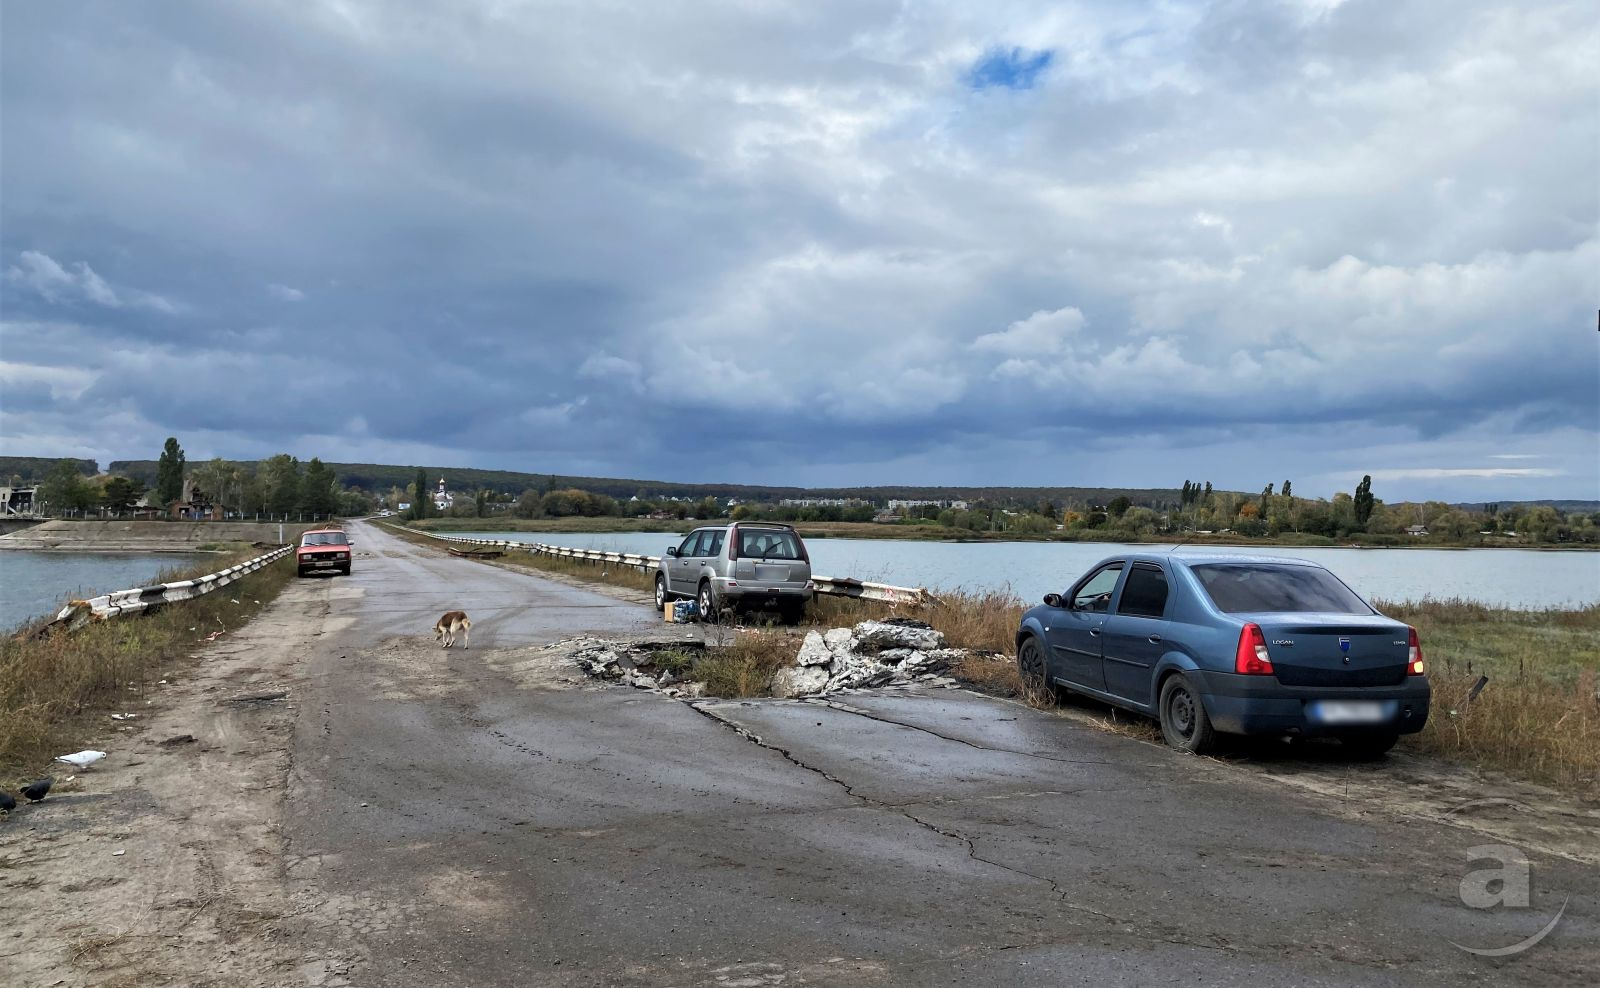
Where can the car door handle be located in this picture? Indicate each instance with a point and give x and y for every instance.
(1155, 639)
(1094, 632)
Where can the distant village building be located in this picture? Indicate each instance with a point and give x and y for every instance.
(194, 505)
(1417, 530)
(821, 502)
(443, 499)
(18, 500)
(897, 504)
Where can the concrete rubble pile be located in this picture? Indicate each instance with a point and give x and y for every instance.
(620, 662)
(896, 652)
(873, 653)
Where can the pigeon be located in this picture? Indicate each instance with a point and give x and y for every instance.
(8, 802)
(35, 791)
(81, 759)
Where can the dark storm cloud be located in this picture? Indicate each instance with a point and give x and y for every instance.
(802, 243)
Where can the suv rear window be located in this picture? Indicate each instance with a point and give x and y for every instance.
(1241, 588)
(768, 544)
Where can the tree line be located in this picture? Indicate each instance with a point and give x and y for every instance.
(277, 487)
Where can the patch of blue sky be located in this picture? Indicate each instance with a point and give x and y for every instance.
(1009, 68)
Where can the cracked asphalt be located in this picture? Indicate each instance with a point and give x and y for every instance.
(489, 817)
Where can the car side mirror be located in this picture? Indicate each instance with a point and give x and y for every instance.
(672, 550)
(1053, 599)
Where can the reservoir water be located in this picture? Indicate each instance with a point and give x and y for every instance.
(37, 583)
(1498, 577)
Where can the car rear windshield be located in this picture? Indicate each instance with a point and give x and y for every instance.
(759, 544)
(1240, 588)
(325, 538)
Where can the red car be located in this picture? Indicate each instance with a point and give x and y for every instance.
(323, 549)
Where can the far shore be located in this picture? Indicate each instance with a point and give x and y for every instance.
(937, 533)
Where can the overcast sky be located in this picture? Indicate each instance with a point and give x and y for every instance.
(814, 243)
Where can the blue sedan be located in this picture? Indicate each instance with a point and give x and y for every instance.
(1233, 644)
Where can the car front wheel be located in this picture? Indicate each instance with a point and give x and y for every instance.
(1030, 662)
(1184, 721)
(661, 592)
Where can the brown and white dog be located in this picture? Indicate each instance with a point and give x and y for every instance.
(454, 623)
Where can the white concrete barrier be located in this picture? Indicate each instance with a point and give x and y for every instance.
(122, 602)
(830, 585)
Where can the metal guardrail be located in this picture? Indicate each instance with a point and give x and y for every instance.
(118, 603)
(830, 585)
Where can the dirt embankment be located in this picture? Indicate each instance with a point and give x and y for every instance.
(145, 536)
(165, 862)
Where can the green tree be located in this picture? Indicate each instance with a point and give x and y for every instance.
(318, 496)
(220, 480)
(280, 483)
(121, 493)
(1287, 491)
(1363, 501)
(169, 472)
(354, 503)
(421, 501)
(482, 501)
(1119, 506)
(65, 489)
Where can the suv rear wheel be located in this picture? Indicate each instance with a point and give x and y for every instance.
(708, 602)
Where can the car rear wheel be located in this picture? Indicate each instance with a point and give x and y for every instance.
(708, 603)
(661, 591)
(1184, 721)
(1370, 745)
(1030, 662)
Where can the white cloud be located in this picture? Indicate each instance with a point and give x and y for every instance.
(1044, 332)
(284, 293)
(1437, 473)
(64, 383)
(55, 283)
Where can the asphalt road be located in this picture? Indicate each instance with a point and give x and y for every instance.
(487, 817)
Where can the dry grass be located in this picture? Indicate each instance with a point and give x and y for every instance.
(50, 682)
(1539, 716)
(746, 664)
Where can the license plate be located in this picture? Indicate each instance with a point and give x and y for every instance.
(1350, 711)
(324, 562)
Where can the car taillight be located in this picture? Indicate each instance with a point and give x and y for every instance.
(1413, 654)
(1251, 659)
(733, 543)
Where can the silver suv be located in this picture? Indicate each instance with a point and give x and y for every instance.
(740, 566)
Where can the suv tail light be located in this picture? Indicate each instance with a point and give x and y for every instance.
(1414, 665)
(1251, 659)
(733, 542)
